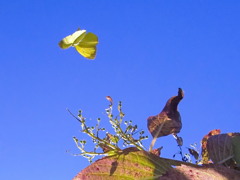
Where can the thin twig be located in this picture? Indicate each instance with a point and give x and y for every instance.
(91, 134)
(73, 115)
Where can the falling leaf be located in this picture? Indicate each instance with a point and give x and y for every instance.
(85, 43)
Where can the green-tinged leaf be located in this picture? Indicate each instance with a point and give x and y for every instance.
(130, 164)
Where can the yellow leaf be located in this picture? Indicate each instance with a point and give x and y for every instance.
(72, 39)
(85, 43)
(87, 52)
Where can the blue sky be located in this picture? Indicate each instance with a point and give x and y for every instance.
(146, 51)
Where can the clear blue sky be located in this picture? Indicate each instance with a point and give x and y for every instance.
(146, 51)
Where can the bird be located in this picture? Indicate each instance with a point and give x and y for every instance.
(168, 121)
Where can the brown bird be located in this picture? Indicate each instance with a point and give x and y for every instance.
(169, 120)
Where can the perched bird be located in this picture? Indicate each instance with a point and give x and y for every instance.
(169, 120)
